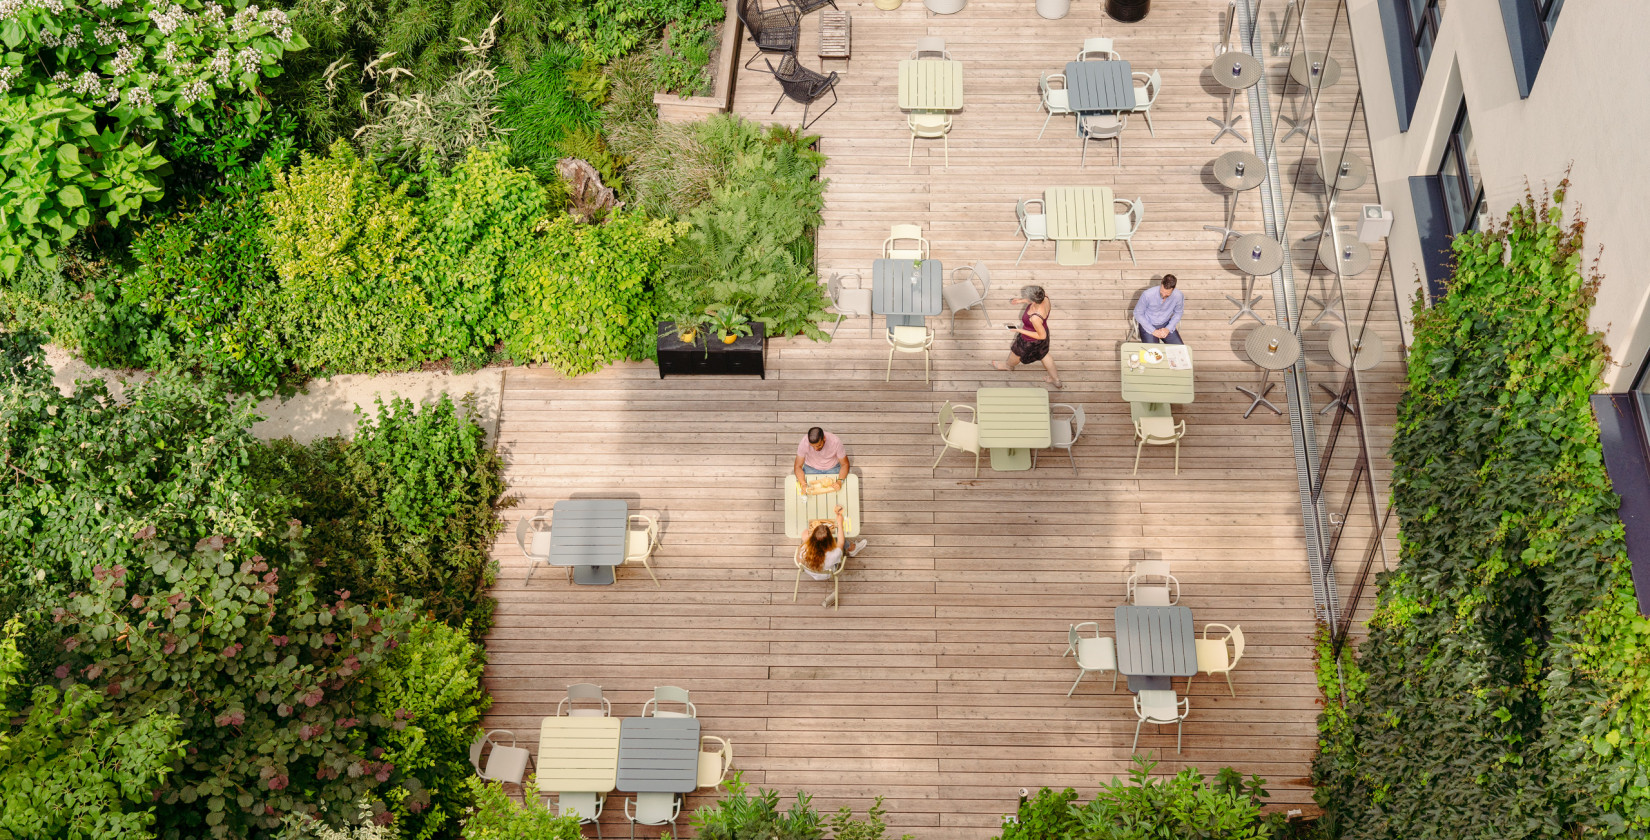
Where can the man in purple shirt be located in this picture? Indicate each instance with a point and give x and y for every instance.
(1158, 313)
(820, 453)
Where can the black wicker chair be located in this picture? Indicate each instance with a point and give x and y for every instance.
(775, 30)
(810, 5)
(803, 85)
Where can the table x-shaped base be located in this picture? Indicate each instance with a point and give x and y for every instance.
(1229, 123)
(1245, 308)
(1259, 393)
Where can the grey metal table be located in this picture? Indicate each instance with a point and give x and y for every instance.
(1254, 254)
(1271, 348)
(1313, 71)
(1099, 86)
(1155, 644)
(1362, 353)
(589, 535)
(1351, 172)
(903, 293)
(658, 755)
(1237, 171)
(1351, 260)
(1235, 71)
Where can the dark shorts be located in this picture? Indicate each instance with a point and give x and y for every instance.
(1029, 349)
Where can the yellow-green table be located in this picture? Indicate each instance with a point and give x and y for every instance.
(927, 84)
(1013, 421)
(1155, 383)
(801, 508)
(1078, 219)
(578, 754)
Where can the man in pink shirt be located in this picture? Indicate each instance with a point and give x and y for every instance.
(820, 453)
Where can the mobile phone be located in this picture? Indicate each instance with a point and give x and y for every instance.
(1011, 326)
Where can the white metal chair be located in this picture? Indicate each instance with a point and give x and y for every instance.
(584, 806)
(1159, 707)
(929, 126)
(653, 809)
(533, 536)
(1151, 585)
(963, 294)
(502, 763)
(1102, 127)
(908, 339)
(1158, 431)
(1094, 653)
(1063, 431)
(930, 46)
(835, 598)
(584, 693)
(1033, 225)
(1146, 88)
(1097, 49)
(639, 544)
(1128, 221)
(847, 301)
(958, 434)
(1054, 98)
(714, 765)
(669, 694)
(1213, 657)
(900, 233)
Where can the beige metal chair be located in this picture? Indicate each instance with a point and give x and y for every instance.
(849, 301)
(901, 233)
(653, 808)
(929, 126)
(908, 339)
(584, 806)
(1158, 431)
(584, 693)
(1094, 653)
(669, 694)
(1146, 88)
(1212, 655)
(1097, 49)
(1033, 225)
(501, 763)
(1128, 217)
(714, 765)
(834, 600)
(958, 434)
(1063, 431)
(639, 544)
(963, 294)
(930, 46)
(1159, 707)
(1055, 100)
(1102, 127)
(1151, 585)
(533, 536)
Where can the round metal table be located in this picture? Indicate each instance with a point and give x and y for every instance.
(1312, 71)
(1368, 352)
(1227, 171)
(1235, 71)
(1351, 172)
(1244, 250)
(1271, 348)
(1339, 262)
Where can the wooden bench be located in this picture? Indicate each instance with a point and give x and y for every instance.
(833, 40)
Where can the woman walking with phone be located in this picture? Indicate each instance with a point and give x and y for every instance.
(1031, 335)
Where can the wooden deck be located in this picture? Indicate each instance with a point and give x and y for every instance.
(940, 684)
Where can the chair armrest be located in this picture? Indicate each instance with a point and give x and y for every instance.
(960, 407)
(1221, 626)
(1095, 624)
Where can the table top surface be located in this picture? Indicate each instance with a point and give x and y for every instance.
(1254, 170)
(1249, 70)
(578, 754)
(1288, 352)
(1337, 260)
(1300, 70)
(1080, 212)
(1156, 641)
(1357, 171)
(1100, 85)
(930, 84)
(1155, 382)
(1013, 417)
(893, 293)
(800, 508)
(1243, 254)
(659, 755)
(1371, 349)
(589, 532)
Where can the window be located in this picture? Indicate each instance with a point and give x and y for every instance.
(1459, 177)
(1547, 11)
(1423, 26)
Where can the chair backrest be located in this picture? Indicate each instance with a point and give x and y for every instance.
(585, 807)
(1050, 82)
(522, 527)
(909, 338)
(984, 274)
(933, 45)
(1097, 45)
(1153, 568)
(928, 125)
(476, 747)
(1154, 83)
(1237, 643)
(1157, 705)
(899, 232)
(1137, 214)
(584, 693)
(714, 764)
(1077, 421)
(1102, 126)
(654, 808)
(1156, 430)
(669, 694)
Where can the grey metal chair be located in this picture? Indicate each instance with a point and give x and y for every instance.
(1097, 49)
(1053, 98)
(930, 46)
(958, 434)
(583, 806)
(773, 30)
(847, 301)
(1102, 127)
(1213, 657)
(1151, 585)
(963, 294)
(503, 762)
(1159, 707)
(669, 694)
(653, 808)
(1033, 225)
(1146, 88)
(584, 693)
(1094, 653)
(803, 85)
(1128, 222)
(1063, 432)
(533, 537)
(714, 765)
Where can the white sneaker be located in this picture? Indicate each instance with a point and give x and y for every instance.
(855, 550)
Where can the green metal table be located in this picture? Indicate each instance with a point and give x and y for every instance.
(1013, 421)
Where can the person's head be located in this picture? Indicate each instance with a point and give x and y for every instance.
(819, 543)
(1033, 293)
(816, 438)
(1166, 288)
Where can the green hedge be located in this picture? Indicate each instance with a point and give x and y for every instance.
(1504, 687)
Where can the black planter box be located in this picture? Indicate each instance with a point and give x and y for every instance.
(707, 355)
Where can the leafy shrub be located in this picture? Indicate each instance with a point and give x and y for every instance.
(682, 65)
(345, 246)
(498, 817)
(1503, 690)
(1044, 816)
(580, 297)
(233, 153)
(543, 109)
(1146, 808)
(738, 815)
